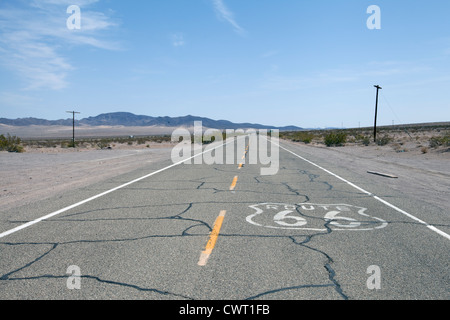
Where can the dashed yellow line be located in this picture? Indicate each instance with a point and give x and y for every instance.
(204, 256)
(243, 157)
(233, 184)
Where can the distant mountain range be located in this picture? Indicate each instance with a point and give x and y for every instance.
(131, 120)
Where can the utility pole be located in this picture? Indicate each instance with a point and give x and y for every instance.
(73, 127)
(376, 113)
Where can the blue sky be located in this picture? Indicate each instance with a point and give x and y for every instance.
(292, 62)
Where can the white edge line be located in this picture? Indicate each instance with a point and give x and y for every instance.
(53, 214)
(433, 228)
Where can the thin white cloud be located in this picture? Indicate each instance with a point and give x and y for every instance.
(178, 40)
(33, 35)
(224, 13)
(269, 54)
(372, 71)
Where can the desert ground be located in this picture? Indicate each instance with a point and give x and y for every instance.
(60, 132)
(48, 167)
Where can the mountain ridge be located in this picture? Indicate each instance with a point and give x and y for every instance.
(129, 119)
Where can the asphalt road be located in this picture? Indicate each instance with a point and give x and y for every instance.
(315, 230)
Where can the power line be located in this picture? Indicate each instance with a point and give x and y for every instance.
(392, 109)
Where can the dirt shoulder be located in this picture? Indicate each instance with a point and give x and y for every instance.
(40, 173)
(424, 176)
(423, 147)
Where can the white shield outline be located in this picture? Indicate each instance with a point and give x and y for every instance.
(360, 211)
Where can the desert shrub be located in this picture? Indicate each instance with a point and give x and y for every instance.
(72, 144)
(141, 141)
(3, 143)
(11, 144)
(434, 142)
(103, 144)
(365, 141)
(440, 141)
(335, 139)
(383, 140)
(305, 137)
(205, 139)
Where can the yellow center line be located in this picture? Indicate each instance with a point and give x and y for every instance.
(233, 184)
(243, 158)
(204, 256)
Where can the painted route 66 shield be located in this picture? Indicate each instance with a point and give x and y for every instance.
(315, 217)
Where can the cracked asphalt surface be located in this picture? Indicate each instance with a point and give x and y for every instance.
(144, 240)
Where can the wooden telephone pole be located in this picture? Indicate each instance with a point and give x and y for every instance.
(73, 127)
(376, 113)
